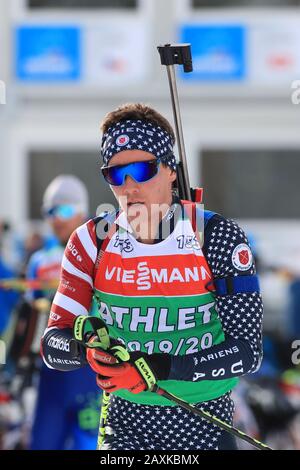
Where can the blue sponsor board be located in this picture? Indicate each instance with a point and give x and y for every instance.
(48, 54)
(218, 52)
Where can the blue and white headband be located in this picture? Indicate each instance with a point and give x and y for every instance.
(138, 135)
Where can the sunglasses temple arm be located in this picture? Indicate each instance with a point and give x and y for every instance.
(171, 54)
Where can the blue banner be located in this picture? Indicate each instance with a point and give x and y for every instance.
(218, 52)
(48, 53)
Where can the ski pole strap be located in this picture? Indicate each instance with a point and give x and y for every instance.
(85, 326)
(212, 419)
(120, 353)
(145, 372)
(231, 285)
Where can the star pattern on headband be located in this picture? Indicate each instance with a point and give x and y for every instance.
(138, 135)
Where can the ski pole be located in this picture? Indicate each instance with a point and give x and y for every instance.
(192, 409)
(123, 355)
(212, 419)
(19, 284)
(103, 418)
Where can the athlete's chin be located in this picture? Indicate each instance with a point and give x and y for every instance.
(134, 210)
(137, 220)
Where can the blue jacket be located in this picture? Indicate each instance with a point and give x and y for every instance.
(8, 298)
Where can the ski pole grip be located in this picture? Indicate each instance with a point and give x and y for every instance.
(87, 325)
(171, 54)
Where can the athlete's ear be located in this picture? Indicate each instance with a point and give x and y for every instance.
(173, 176)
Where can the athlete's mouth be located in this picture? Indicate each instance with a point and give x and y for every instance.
(130, 204)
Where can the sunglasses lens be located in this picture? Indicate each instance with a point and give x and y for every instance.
(63, 212)
(115, 175)
(144, 171)
(139, 171)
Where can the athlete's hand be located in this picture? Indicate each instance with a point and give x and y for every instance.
(115, 367)
(96, 356)
(137, 372)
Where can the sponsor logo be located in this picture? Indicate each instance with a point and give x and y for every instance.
(59, 343)
(54, 316)
(144, 276)
(105, 383)
(66, 285)
(102, 356)
(122, 140)
(54, 360)
(219, 354)
(145, 371)
(107, 359)
(74, 252)
(242, 258)
(134, 129)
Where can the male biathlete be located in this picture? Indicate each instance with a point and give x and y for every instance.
(189, 314)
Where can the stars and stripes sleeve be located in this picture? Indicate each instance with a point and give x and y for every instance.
(240, 314)
(73, 296)
(228, 253)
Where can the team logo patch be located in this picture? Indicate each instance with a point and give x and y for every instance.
(122, 140)
(242, 258)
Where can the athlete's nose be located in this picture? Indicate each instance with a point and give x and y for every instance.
(130, 186)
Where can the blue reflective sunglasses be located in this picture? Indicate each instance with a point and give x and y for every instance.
(64, 211)
(139, 171)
